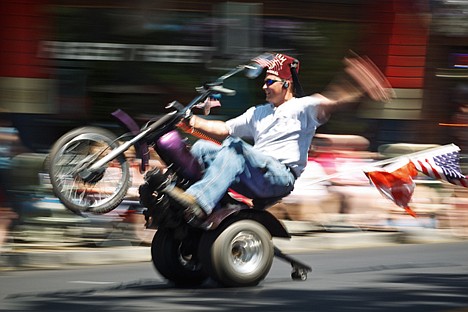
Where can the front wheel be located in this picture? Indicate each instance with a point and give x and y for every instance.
(71, 156)
(237, 255)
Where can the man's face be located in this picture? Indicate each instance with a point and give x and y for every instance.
(274, 91)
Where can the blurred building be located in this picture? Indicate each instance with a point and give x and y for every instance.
(65, 62)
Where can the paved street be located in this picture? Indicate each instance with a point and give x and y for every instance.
(413, 277)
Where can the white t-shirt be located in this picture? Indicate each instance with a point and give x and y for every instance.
(284, 133)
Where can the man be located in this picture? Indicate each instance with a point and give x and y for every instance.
(281, 131)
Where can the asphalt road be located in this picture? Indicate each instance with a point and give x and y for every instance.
(428, 277)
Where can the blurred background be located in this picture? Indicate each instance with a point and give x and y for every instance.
(66, 63)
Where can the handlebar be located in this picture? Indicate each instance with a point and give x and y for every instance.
(252, 70)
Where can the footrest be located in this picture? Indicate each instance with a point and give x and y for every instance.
(299, 269)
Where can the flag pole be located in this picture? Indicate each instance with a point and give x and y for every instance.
(444, 148)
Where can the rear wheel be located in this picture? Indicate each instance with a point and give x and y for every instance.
(240, 254)
(81, 190)
(176, 259)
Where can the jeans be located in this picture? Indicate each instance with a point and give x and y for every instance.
(237, 165)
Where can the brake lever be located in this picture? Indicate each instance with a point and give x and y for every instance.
(216, 87)
(223, 90)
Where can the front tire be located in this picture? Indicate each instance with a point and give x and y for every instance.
(74, 152)
(239, 254)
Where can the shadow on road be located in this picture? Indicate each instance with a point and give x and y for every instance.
(402, 292)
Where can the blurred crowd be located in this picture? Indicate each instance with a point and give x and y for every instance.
(8, 143)
(31, 215)
(333, 190)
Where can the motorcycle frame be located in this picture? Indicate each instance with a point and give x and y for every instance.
(170, 118)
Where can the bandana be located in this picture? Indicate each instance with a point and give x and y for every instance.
(280, 66)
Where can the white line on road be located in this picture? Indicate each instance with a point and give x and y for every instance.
(92, 282)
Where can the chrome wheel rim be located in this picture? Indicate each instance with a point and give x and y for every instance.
(246, 252)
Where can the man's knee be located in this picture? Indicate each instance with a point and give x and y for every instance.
(234, 143)
(202, 147)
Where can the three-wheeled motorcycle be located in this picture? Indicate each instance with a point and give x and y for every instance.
(90, 173)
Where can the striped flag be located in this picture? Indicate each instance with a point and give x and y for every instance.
(442, 167)
(395, 182)
(264, 59)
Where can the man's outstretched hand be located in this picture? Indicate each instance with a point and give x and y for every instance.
(360, 77)
(369, 78)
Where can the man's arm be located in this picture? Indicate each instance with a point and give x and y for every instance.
(215, 129)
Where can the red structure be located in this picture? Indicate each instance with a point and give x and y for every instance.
(23, 24)
(399, 41)
(24, 83)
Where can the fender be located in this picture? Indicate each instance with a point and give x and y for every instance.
(141, 148)
(239, 212)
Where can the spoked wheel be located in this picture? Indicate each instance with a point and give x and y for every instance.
(79, 189)
(176, 259)
(240, 254)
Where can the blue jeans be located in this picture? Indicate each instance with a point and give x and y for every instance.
(236, 165)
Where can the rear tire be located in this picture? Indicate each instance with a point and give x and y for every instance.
(75, 151)
(176, 259)
(239, 254)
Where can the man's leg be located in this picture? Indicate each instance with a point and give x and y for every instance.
(222, 169)
(263, 177)
(235, 163)
(205, 151)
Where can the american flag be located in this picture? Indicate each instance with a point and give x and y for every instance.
(442, 167)
(264, 59)
(395, 183)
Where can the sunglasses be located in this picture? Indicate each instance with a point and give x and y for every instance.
(269, 82)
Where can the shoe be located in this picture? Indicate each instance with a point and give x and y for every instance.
(193, 213)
